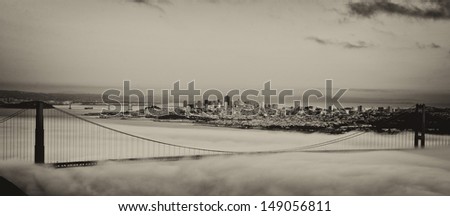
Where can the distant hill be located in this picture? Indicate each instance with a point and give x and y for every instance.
(22, 95)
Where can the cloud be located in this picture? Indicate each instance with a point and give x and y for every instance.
(320, 41)
(362, 173)
(433, 45)
(348, 45)
(153, 3)
(359, 44)
(428, 9)
(428, 46)
(392, 34)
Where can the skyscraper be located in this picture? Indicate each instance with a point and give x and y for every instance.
(297, 104)
(227, 99)
(360, 108)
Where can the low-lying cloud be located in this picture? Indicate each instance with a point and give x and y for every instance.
(344, 44)
(428, 9)
(367, 173)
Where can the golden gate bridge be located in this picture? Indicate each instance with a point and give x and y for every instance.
(44, 134)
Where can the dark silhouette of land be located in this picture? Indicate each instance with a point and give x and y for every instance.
(9, 189)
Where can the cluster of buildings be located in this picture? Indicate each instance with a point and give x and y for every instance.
(272, 116)
(217, 108)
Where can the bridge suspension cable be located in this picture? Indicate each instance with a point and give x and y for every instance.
(72, 138)
(140, 137)
(6, 118)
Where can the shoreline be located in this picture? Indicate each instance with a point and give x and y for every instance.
(299, 129)
(310, 122)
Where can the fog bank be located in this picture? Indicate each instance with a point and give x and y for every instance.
(366, 173)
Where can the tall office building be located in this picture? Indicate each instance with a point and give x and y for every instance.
(297, 104)
(360, 108)
(227, 99)
(205, 104)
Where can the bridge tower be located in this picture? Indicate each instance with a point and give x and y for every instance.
(419, 129)
(39, 134)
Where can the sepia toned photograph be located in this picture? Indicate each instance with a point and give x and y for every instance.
(225, 98)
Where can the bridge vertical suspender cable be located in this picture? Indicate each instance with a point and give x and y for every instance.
(72, 138)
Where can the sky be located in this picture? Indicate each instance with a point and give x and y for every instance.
(67, 46)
